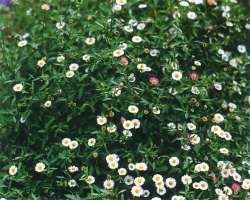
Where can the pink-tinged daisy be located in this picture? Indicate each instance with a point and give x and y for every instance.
(153, 80)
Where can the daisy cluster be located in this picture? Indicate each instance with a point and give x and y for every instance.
(124, 100)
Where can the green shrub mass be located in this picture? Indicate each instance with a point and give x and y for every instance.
(124, 100)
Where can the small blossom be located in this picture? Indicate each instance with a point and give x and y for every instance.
(133, 109)
(45, 7)
(122, 172)
(73, 144)
(124, 60)
(47, 104)
(137, 191)
(174, 161)
(235, 187)
(121, 2)
(186, 180)
(40, 167)
(118, 53)
(60, 25)
(60, 58)
(18, 87)
(242, 48)
(91, 142)
(139, 181)
(191, 15)
(128, 125)
(90, 180)
(194, 76)
(129, 180)
(66, 142)
(41, 62)
(12, 170)
(141, 166)
(70, 74)
(136, 39)
(154, 80)
(109, 184)
(90, 41)
(72, 183)
(86, 57)
(101, 120)
(170, 183)
(73, 67)
(22, 43)
(177, 75)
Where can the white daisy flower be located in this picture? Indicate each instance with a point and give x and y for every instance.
(73, 67)
(70, 74)
(170, 183)
(73, 144)
(176, 75)
(174, 161)
(101, 120)
(60, 25)
(191, 15)
(22, 43)
(118, 53)
(90, 41)
(121, 2)
(108, 184)
(12, 170)
(18, 87)
(186, 180)
(60, 58)
(91, 142)
(66, 142)
(47, 104)
(136, 39)
(90, 179)
(40, 167)
(133, 109)
(137, 191)
(242, 48)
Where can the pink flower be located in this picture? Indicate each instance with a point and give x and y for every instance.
(194, 76)
(123, 119)
(213, 177)
(153, 80)
(235, 187)
(124, 60)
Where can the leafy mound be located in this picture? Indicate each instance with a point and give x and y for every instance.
(125, 100)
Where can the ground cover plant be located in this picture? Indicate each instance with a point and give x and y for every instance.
(124, 100)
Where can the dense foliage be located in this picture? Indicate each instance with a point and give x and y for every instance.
(124, 100)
